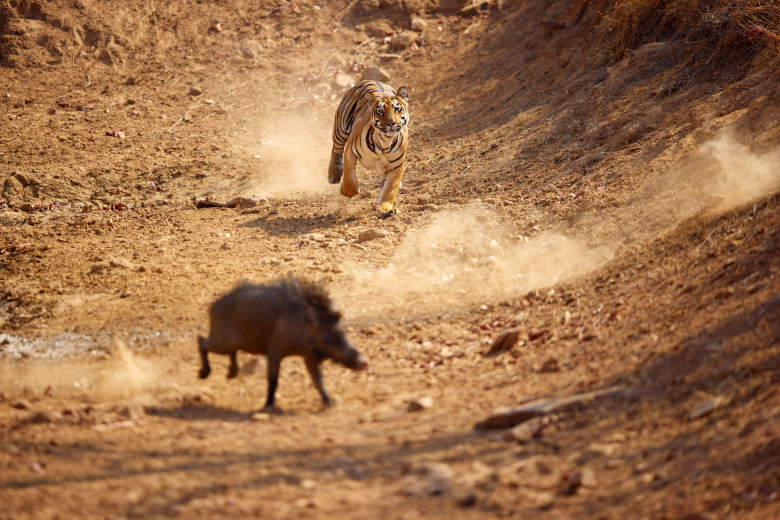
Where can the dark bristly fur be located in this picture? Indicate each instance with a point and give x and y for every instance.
(286, 318)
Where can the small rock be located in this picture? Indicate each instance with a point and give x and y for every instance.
(11, 448)
(506, 341)
(538, 471)
(132, 412)
(467, 500)
(376, 74)
(195, 91)
(316, 237)
(21, 404)
(99, 267)
(526, 431)
(343, 82)
(705, 407)
(303, 502)
(377, 28)
(27, 207)
(418, 24)
(422, 403)
(115, 133)
(586, 477)
(122, 263)
(250, 49)
(225, 246)
(549, 365)
(40, 417)
(371, 234)
(23, 179)
(478, 5)
(403, 40)
(647, 478)
(12, 218)
(430, 478)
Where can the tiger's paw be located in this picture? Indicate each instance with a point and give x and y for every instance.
(334, 176)
(349, 192)
(383, 212)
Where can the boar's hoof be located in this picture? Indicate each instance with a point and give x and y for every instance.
(232, 371)
(204, 372)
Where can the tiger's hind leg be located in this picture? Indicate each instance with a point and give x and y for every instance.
(336, 167)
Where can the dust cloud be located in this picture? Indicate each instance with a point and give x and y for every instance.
(722, 176)
(465, 256)
(123, 376)
(127, 375)
(471, 255)
(741, 176)
(292, 151)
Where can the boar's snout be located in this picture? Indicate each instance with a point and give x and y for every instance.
(360, 363)
(355, 360)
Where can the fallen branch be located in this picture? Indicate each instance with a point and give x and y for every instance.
(238, 202)
(508, 417)
(174, 124)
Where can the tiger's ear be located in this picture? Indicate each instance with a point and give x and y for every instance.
(403, 93)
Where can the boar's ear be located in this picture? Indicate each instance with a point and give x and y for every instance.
(403, 93)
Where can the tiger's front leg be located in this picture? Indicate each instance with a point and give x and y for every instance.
(390, 187)
(349, 182)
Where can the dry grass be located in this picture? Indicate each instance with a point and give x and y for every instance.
(735, 28)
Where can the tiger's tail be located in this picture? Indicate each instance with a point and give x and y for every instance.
(336, 167)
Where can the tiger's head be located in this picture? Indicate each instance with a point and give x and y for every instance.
(391, 114)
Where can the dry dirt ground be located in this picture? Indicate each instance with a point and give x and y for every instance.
(621, 214)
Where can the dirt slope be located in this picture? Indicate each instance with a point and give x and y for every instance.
(621, 213)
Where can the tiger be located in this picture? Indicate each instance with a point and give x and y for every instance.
(371, 126)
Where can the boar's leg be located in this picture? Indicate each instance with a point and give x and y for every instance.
(233, 370)
(274, 362)
(205, 369)
(313, 364)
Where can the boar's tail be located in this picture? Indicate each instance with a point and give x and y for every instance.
(205, 368)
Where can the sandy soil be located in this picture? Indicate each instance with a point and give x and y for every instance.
(621, 216)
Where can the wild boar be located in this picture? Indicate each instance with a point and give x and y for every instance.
(287, 318)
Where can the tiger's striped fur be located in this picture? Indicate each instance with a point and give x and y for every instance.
(371, 126)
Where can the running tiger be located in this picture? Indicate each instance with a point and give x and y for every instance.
(371, 126)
